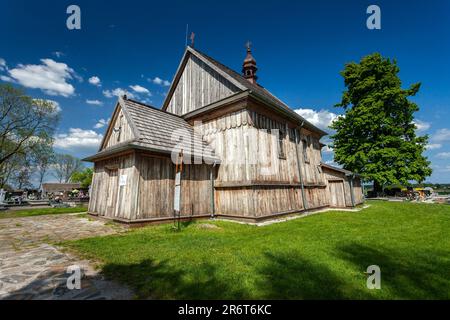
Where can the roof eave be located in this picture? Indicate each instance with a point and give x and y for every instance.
(108, 152)
(344, 171)
(216, 105)
(291, 113)
(135, 145)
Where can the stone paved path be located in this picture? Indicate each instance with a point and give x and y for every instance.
(32, 268)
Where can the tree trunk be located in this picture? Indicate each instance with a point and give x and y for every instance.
(377, 187)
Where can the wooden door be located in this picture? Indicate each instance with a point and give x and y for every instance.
(111, 196)
(337, 196)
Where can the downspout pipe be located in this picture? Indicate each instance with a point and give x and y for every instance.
(297, 141)
(211, 177)
(363, 190)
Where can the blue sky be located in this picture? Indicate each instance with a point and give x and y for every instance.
(300, 48)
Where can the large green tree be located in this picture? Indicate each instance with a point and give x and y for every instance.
(377, 137)
(65, 166)
(84, 177)
(24, 122)
(27, 126)
(43, 158)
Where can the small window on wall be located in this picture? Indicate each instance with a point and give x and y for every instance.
(292, 135)
(281, 151)
(305, 150)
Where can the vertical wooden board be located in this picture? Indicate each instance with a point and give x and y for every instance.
(199, 85)
(119, 131)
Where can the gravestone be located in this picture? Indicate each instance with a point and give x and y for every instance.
(2, 196)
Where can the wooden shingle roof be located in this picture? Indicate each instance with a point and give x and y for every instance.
(158, 131)
(342, 170)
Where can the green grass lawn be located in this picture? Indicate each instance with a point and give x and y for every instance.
(323, 256)
(40, 212)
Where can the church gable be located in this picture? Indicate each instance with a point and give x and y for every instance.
(199, 85)
(119, 130)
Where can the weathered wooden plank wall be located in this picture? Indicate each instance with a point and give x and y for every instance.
(199, 85)
(311, 169)
(252, 180)
(337, 192)
(149, 189)
(317, 197)
(338, 188)
(110, 199)
(120, 131)
(258, 201)
(357, 188)
(157, 185)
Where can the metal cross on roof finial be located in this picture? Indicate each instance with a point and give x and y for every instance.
(248, 45)
(192, 39)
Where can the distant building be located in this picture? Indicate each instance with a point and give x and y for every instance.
(59, 189)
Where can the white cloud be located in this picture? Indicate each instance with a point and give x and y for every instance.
(437, 168)
(146, 101)
(101, 123)
(94, 102)
(327, 149)
(108, 93)
(2, 64)
(117, 93)
(443, 155)
(422, 125)
(78, 140)
(50, 76)
(442, 135)
(159, 81)
(433, 146)
(95, 81)
(7, 79)
(321, 119)
(332, 163)
(58, 54)
(140, 89)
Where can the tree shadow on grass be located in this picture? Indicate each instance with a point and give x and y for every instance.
(160, 280)
(418, 275)
(290, 276)
(281, 275)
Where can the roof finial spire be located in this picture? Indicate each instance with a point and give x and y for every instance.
(249, 67)
(249, 46)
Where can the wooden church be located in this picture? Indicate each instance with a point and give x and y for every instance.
(258, 158)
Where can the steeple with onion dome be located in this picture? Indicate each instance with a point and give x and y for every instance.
(249, 67)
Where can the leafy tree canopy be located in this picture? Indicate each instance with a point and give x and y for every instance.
(377, 136)
(84, 177)
(64, 166)
(27, 126)
(24, 122)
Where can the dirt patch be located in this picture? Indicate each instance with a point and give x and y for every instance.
(207, 226)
